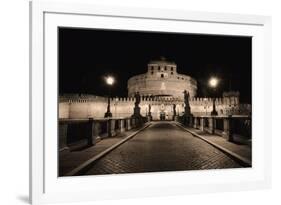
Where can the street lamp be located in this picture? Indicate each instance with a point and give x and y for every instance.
(109, 81)
(115, 107)
(213, 82)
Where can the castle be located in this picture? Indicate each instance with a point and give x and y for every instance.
(161, 89)
(162, 79)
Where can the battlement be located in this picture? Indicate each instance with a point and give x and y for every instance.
(84, 98)
(206, 101)
(86, 105)
(80, 98)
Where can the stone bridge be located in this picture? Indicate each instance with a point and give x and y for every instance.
(162, 146)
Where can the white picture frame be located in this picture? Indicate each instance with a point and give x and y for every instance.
(46, 187)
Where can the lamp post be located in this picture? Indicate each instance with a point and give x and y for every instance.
(205, 105)
(146, 111)
(109, 81)
(213, 82)
(115, 107)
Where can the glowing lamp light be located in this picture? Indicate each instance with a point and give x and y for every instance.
(213, 82)
(109, 80)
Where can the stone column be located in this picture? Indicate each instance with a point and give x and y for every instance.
(202, 124)
(113, 131)
(128, 124)
(198, 123)
(211, 125)
(133, 124)
(195, 122)
(111, 127)
(96, 131)
(117, 128)
(63, 127)
(227, 132)
(137, 122)
(121, 125)
(90, 128)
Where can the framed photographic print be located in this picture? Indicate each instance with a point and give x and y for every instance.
(130, 102)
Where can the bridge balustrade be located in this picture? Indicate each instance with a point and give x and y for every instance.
(89, 131)
(231, 126)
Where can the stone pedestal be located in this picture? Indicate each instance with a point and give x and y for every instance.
(214, 112)
(195, 123)
(227, 132)
(202, 122)
(133, 122)
(136, 112)
(111, 127)
(190, 121)
(211, 125)
(107, 114)
(96, 132)
(128, 124)
(121, 125)
(90, 129)
(63, 127)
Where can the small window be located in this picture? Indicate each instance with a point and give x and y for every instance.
(151, 72)
(162, 75)
(172, 68)
(172, 73)
(165, 68)
(159, 68)
(183, 78)
(178, 77)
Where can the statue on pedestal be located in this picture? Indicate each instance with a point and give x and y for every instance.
(174, 111)
(187, 117)
(186, 102)
(137, 108)
(137, 97)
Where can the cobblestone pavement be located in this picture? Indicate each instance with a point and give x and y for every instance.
(235, 147)
(162, 147)
(70, 160)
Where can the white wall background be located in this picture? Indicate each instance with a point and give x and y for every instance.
(14, 100)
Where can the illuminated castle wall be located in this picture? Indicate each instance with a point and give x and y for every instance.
(160, 88)
(86, 106)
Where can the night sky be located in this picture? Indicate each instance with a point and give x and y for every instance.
(87, 55)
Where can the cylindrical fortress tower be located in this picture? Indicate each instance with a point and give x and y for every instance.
(162, 79)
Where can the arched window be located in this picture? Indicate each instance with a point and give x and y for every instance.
(162, 75)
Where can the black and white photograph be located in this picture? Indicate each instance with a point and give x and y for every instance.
(140, 102)
(144, 101)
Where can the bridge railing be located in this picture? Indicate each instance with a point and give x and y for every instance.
(89, 131)
(231, 127)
